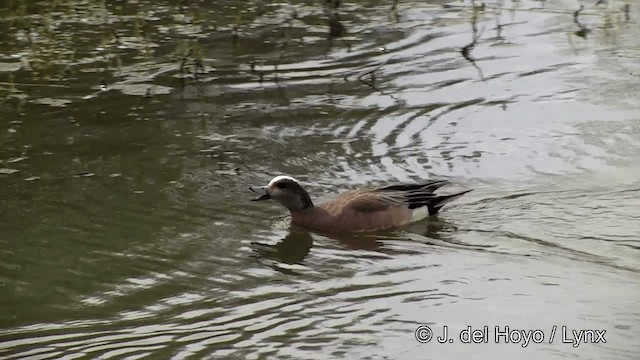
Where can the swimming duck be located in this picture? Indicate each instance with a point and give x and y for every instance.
(358, 210)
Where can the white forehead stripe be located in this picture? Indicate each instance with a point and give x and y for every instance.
(281, 177)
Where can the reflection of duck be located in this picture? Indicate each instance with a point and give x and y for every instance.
(360, 210)
(296, 245)
(292, 249)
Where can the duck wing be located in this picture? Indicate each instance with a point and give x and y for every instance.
(412, 196)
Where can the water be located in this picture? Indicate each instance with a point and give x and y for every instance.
(130, 132)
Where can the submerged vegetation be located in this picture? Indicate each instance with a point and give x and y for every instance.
(130, 130)
(146, 48)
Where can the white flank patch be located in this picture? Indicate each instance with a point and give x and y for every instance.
(420, 213)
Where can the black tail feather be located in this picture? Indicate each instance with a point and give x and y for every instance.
(419, 195)
(441, 200)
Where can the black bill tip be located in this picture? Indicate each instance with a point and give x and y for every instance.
(259, 190)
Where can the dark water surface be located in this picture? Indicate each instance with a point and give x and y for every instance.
(130, 130)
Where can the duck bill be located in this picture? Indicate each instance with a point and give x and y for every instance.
(262, 193)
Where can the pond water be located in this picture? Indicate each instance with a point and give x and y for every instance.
(130, 131)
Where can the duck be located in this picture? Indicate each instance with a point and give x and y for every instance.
(361, 210)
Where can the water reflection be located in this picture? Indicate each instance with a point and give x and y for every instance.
(466, 50)
(298, 242)
(292, 249)
(131, 128)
